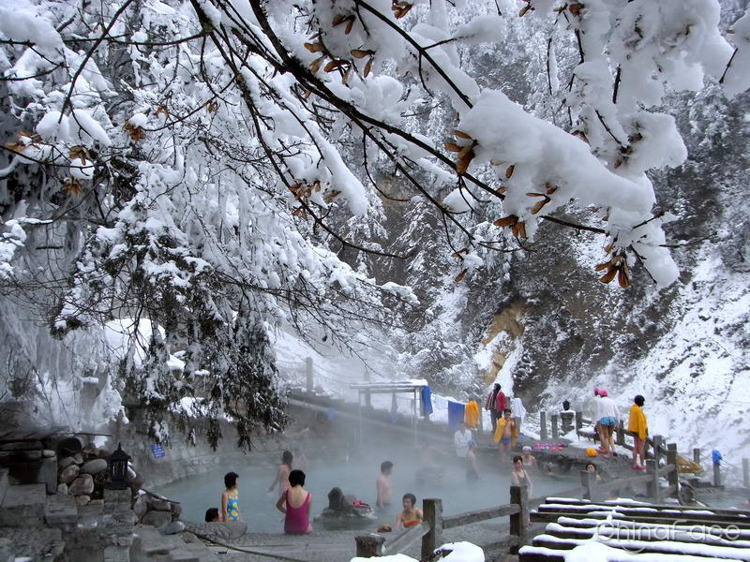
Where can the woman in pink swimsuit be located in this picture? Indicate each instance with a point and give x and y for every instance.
(295, 503)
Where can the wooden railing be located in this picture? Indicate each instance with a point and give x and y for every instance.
(434, 523)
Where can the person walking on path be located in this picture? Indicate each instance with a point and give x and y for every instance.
(295, 504)
(461, 440)
(506, 433)
(230, 498)
(608, 416)
(519, 411)
(496, 403)
(638, 425)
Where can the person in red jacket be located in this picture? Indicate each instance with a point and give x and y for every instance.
(496, 403)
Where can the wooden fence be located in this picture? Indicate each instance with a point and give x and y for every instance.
(434, 523)
(654, 446)
(430, 532)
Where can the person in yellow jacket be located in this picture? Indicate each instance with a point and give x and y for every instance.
(506, 432)
(639, 427)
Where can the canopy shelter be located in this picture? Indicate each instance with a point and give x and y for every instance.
(367, 389)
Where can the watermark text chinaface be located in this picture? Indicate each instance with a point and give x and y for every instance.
(635, 538)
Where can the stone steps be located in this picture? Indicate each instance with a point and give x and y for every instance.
(24, 506)
(33, 524)
(152, 546)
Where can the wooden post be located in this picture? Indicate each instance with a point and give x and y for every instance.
(586, 482)
(658, 442)
(620, 434)
(579, 421)
(433, 516)
(519, 522)
(480, 428)
(653, 487)
(717, 474)
(309, 374)
(697, 456)
(746, 473)
(543, 425)
(555, 430)
(673, 477)
(369, 545)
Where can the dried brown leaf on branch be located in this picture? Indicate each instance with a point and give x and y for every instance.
(465, 151)
(575, 8)
(72, 186)
(464, 158)
(79, 152)
(300, 212)
(315, 65)
(581, 135)
(510, 220)
(401, 8)
(517, 226)
(349, 19)
(24, 139)
(361, 53)
(331, 195)
(616, 266)
(460, 276)
(334, 64)
(539, 205)
(135, 133)
(314, 47)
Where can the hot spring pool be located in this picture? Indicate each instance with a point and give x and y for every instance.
(357, 476)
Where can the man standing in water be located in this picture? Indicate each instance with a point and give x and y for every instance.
(384, 485)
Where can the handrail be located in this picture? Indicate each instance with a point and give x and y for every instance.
(407, 538)
(469, 517)
(649, 440)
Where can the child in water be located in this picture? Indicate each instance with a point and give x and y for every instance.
(230, 499)
(410, 516)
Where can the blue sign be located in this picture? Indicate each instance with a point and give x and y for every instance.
(158, 450)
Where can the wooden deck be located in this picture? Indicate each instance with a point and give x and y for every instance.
(629, 528)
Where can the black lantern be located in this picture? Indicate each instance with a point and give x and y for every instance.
(118, 469)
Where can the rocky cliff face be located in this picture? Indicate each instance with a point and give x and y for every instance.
(537, 318)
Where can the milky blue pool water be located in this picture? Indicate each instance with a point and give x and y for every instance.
(357, 475)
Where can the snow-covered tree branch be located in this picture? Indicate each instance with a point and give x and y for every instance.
(200, 164)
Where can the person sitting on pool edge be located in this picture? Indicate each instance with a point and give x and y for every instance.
(212, 515)
(410, 516)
